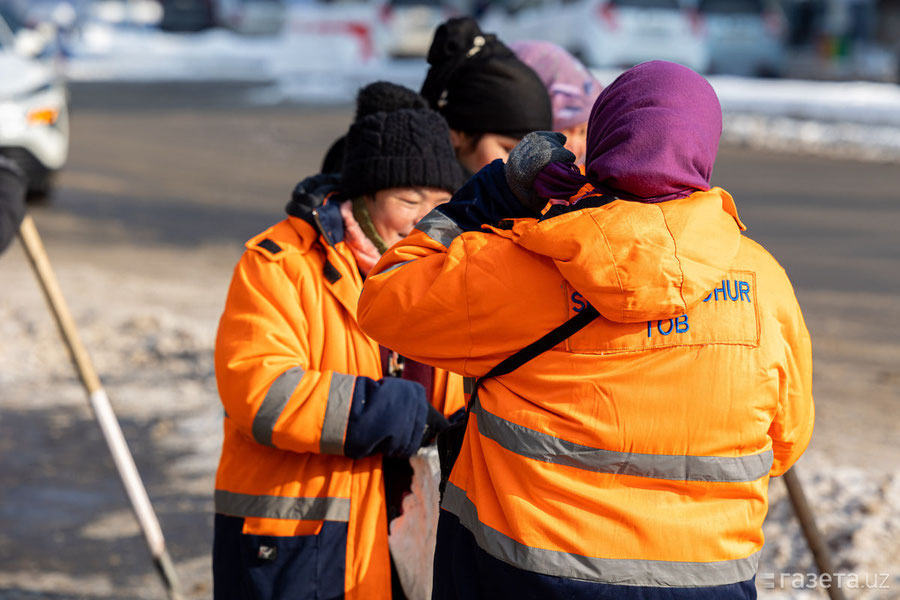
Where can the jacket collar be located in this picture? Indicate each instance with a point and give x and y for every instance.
(315, 200)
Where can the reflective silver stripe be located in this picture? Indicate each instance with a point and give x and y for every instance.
(337, 412)
(397, 266)
(278, 507)
(469, 384)
(273, 404)
(439, 227)
(618, 571)
(546, 448)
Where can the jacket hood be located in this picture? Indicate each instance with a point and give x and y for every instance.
(654, 133)
(315, 201)
(635, 261)
(652, 136)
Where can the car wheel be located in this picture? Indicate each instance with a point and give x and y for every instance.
(40, 188)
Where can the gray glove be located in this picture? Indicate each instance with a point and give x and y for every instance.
(530, 156)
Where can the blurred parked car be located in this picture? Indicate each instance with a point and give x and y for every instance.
(745, 37)
(252, 17)
(347, 31)
(37, 40)
(187, 15)
(34, 120)
(606, 33)
(410, 24)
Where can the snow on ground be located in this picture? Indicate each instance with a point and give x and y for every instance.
(848, 119)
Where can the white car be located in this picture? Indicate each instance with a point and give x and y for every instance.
(746, 37)
(34, 119)
(251, 17)
(607, 33)
(410, 24)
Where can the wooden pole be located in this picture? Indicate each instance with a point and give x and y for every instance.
(814, 538)
(103, 412)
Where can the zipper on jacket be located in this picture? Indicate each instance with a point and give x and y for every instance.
(315, 214)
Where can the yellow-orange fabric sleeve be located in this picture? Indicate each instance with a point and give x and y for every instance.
(792, 428)
(423, 313)
(262, 357)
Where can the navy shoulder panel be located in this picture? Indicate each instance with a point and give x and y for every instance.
(269, 245)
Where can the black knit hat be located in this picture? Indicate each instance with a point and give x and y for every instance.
(480, 86)
(401, 148)
(374, 97)
(386, 96)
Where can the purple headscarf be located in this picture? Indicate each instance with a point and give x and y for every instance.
(571, 86)
(652, 136)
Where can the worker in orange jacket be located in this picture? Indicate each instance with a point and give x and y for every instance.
(632, 459)
(310, 419)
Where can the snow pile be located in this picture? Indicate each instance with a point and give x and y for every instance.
(147, 361)
(857, 513)
(843, 119)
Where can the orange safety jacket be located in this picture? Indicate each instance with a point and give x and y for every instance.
(288, 354)
(638, 451)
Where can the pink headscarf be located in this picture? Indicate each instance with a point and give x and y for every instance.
(571, 86)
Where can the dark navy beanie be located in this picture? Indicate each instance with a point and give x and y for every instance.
(481, 86)
(401, 148)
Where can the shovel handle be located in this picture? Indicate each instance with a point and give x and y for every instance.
(103, 411)
(814, 538)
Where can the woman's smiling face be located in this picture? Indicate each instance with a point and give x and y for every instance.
(395, 211)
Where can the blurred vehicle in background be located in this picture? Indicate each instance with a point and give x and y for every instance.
(32, 39)
(34, 120)
(187, 15)
(410, 24)
(606, 33)
(745, 37)
(350, 30)
(252, 17)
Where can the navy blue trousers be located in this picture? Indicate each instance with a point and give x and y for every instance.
(463, 571)
(263, 567)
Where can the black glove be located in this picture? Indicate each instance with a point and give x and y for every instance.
(435, 423)
(530, 156)
(12, 200)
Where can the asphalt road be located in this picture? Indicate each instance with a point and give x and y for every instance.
(167, 182)
(187, 164)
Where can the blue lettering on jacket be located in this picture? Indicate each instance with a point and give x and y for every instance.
(580, 302)
(669, 326)
(736, 291)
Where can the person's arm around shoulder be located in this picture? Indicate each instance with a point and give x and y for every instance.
(415, 301)
(792, 427)
(12, 200)
(262, 362)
